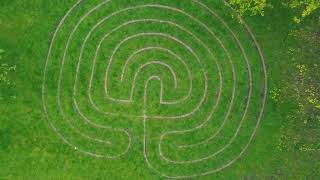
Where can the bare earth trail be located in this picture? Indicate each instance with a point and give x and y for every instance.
(108, 59)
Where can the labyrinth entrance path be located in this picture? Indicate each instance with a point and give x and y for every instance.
(181, 81)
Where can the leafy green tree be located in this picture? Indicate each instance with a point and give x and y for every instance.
(303, 8)
(253, 7)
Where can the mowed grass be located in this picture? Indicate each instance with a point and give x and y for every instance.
(31, 149)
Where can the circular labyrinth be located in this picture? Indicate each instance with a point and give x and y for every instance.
(181, 83)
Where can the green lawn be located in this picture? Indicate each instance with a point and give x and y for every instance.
(148, 89)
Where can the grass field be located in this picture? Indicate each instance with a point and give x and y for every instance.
(148, 89)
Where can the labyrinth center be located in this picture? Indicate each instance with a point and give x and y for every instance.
(181, 81)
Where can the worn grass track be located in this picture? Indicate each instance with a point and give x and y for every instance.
(194, 85)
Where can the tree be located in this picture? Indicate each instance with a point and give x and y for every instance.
(253, 7)
(303, 8)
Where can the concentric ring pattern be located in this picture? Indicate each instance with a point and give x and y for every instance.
(184, 80)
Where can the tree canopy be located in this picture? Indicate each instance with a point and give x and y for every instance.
(302, 8)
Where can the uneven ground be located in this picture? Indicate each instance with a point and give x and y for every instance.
(142, 90)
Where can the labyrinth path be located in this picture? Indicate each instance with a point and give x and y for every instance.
(182, 81)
